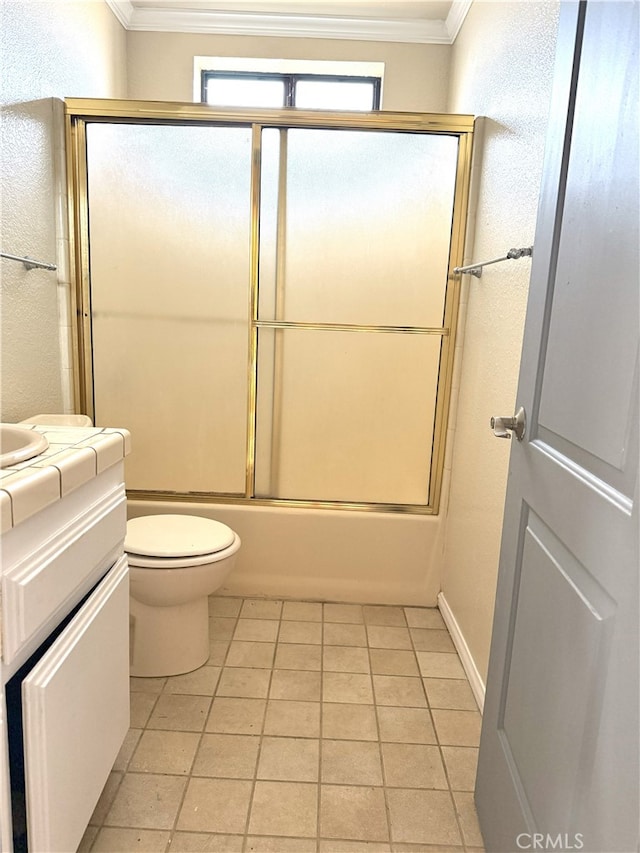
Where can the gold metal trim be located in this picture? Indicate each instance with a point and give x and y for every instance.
(80, 110)
(239, 500)
(352, 327)
(76, 347)
(277, 402)
(99, 109)
(452, 308)
(79, 264)
(256, 155)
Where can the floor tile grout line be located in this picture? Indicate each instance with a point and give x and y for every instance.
(439, 744)
(101, 825)
(320, 738)
(383, 771)
(446, 771)
(245, 840)
(189, 775)
(143, 774)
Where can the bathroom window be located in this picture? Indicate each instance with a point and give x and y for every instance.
(306, 91)
(268, 303)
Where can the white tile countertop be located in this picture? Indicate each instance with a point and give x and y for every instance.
(75, 455)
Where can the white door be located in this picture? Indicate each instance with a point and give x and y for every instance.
(558, 766)
(76, 714)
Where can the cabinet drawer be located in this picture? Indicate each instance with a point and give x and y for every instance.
(41, 588)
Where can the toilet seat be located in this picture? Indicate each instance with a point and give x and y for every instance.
(177, 541)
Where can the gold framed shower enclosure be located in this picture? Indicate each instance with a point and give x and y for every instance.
(81, 113)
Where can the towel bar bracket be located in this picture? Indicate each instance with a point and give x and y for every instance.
(512, 255)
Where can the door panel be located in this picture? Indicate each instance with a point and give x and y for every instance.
(559, 746)
(554, 652)
(76, 714)
(579, 399)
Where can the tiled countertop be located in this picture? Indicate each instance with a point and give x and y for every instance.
(75, 455)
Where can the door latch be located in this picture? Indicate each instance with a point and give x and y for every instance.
(502, 427)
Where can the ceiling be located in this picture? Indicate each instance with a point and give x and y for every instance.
(415, 21)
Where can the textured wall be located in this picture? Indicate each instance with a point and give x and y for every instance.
(161, 64)
(48, 50)
(502, 69)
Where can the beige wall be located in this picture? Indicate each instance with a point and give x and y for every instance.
(160, 65)
(502, 68)
(49, 51)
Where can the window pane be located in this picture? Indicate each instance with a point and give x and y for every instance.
(334, 95)
(345, 416)
(169, 237)
(245, 92)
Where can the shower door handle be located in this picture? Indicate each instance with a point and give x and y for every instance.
(502, 427)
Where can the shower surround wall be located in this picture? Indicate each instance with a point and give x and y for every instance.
(48, 50)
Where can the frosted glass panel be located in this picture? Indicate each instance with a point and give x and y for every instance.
(364, 227)
(272, 222)
(169, 244)
(345, 415)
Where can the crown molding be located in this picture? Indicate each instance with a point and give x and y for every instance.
(455, 19)
(415, 31)
(290, 26)
(123, 10)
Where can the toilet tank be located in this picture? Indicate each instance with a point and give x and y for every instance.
(60, 420)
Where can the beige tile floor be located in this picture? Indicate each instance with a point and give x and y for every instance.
(313, 728)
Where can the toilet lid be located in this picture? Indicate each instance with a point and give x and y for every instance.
(176, 536)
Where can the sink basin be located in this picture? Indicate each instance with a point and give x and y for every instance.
(18, 444)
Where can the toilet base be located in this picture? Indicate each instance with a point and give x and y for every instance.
(168, 640)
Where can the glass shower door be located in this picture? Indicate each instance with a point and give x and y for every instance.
(354, 256)
(169, 237)
(266, 299)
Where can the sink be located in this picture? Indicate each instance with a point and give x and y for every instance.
(18, 444)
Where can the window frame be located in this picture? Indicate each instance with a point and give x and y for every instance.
(290, 80)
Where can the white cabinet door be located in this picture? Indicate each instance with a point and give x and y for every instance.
(76, 714)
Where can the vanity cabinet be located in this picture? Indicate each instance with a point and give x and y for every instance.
(65, 651)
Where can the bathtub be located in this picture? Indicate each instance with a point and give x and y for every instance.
(326, 555)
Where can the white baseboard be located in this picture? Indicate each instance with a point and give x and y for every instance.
(467, 661)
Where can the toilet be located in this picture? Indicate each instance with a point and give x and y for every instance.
(176, 562)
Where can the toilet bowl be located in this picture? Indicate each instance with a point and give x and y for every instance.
(176, 562)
